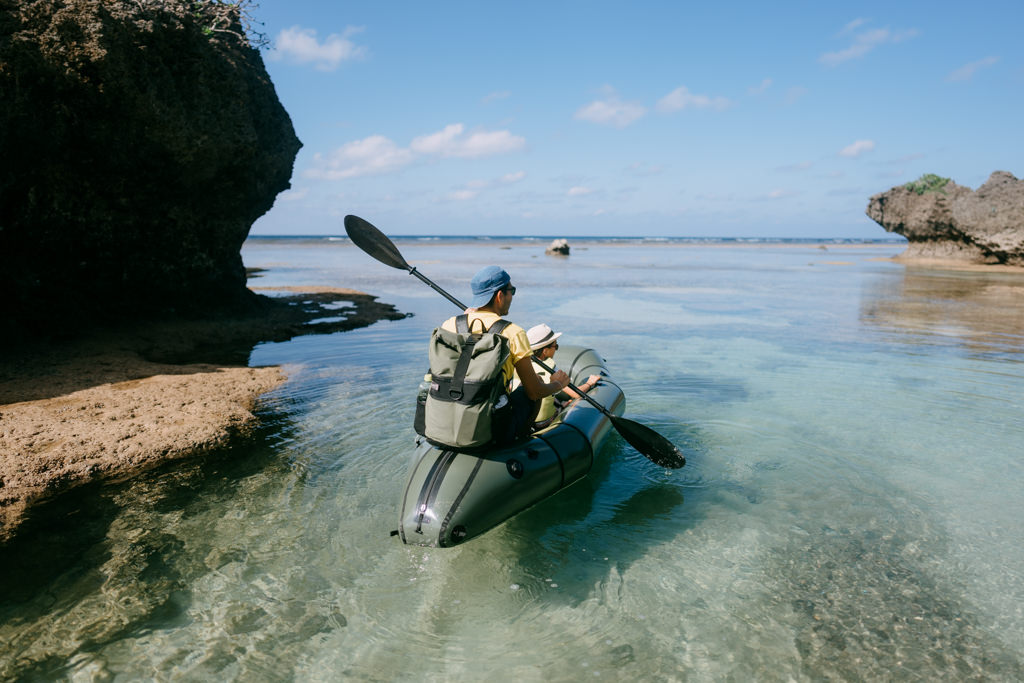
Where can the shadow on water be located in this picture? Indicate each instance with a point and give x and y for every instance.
(978, 310)
(572, 549)
(51, 368)
(96, 564)
(625, 506)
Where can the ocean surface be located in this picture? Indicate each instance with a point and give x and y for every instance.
(851, 508)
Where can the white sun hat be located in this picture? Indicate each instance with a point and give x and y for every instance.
(540, 336)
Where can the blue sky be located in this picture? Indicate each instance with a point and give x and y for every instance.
(641, 118)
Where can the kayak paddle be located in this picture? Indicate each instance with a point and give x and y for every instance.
(648, 442)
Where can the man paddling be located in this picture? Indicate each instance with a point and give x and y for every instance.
(492, 297)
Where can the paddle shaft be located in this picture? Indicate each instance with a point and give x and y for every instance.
(427, 281)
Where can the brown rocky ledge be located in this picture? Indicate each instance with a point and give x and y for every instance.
(119, 402)
(946, 223)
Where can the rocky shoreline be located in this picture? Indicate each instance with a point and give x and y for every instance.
(115, 403)
(127, 321)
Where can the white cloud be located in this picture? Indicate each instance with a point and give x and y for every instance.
(450, 142)
(761, 87)
(484, 143)
(369, 156)
(611, 111)
(857, 148)
(682, 98)
(864, 43)
(462, 195)
(300, 46)
(378, 154)
(510, 178)
(579, 191)
(967, 71)
(437, 143)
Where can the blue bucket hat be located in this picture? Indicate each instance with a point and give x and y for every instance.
(486, 282)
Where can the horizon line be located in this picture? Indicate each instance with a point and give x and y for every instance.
(343, 236)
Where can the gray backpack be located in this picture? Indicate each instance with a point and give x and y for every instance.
(468, 398)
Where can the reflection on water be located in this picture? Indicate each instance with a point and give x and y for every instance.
(110, 565)
(848, 511)
(982, 311)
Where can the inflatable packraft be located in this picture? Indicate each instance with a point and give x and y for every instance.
(451, 497)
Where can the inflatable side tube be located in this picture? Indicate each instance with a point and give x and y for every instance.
(579, 363)
(453, 497)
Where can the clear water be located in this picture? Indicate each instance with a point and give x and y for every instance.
(851, 507)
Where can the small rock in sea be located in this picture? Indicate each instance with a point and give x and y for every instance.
(559, 247)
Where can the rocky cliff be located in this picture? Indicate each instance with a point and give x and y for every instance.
(139, 141)
(946, 220)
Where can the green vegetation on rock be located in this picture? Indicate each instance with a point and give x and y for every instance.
(224, 16)
(929, 182)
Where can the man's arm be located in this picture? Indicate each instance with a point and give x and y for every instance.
(536, 388)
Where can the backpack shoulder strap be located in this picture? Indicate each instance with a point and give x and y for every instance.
(498, 327)
(462, 324)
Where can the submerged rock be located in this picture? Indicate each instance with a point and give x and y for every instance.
(944, 220)
(140, 141)
(559, 247)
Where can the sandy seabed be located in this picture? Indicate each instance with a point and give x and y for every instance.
(119, 402)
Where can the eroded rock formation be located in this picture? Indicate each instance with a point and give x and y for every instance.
(139, 141)
(949, 221)
(558, 247)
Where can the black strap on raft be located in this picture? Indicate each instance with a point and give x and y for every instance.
(431, 485)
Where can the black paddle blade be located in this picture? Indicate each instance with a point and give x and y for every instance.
(650, 443)
(374, 242)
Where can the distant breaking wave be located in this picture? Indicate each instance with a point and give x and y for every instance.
(592, 239)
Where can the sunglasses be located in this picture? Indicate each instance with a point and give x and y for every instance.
(510, 290)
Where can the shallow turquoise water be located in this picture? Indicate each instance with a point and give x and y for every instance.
(850, 508)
